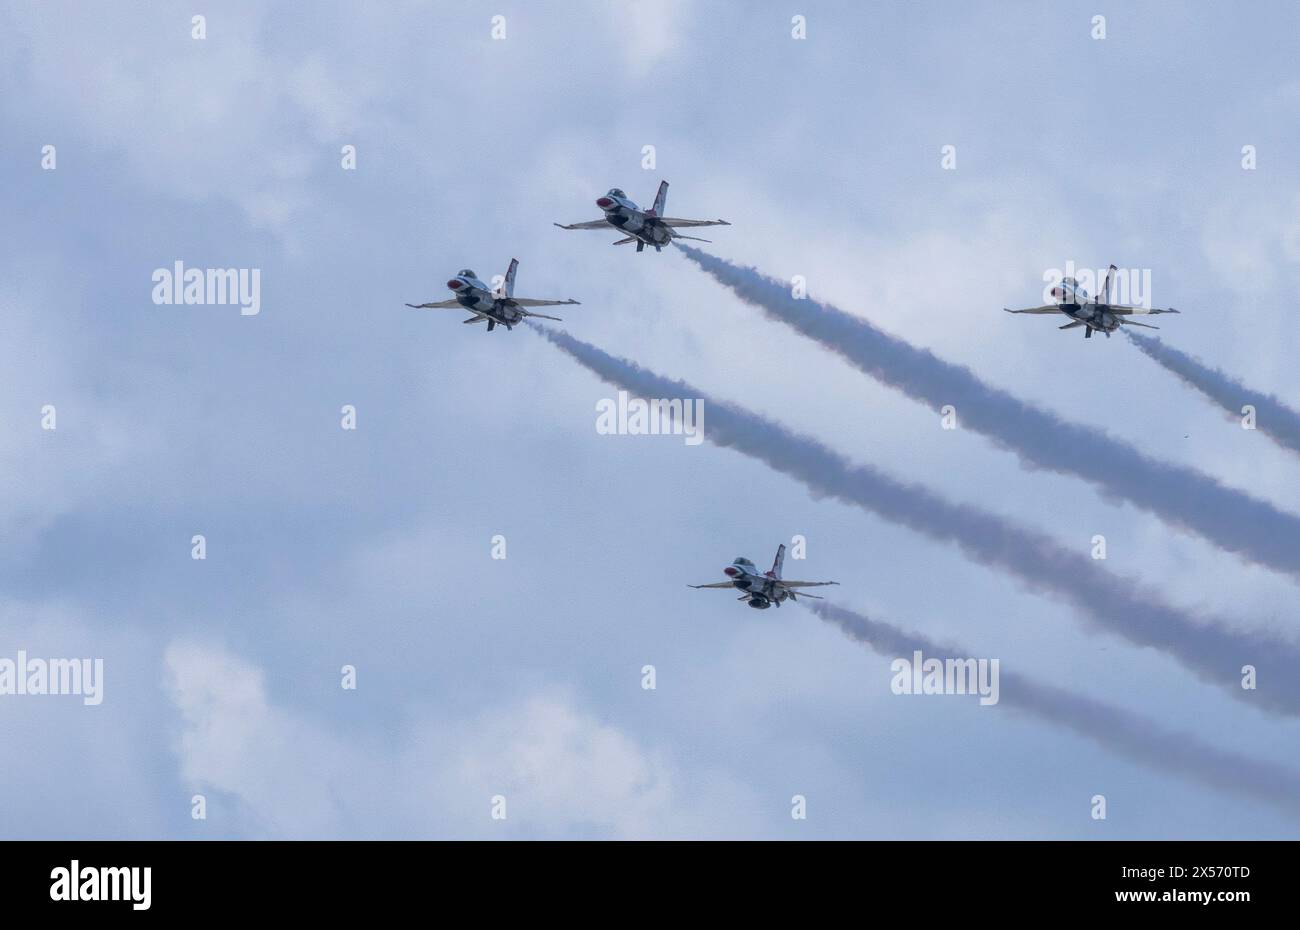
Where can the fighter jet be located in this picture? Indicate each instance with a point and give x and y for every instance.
(644, 227)
(1096, 314)
(497, 307)
(763, 590)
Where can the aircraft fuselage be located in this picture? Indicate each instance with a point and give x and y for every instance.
(763, 590)
(636, 223)
(496, 309)
(1094, 316)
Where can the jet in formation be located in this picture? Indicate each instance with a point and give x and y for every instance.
(1096, 314)
(496, 307)
(644, 227)
(762, 590)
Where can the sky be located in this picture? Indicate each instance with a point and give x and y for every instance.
(522, 677)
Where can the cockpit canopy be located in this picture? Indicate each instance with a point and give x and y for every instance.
(615, 192)
(741, 560)
(467, 273)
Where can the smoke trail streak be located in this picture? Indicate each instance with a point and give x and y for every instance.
(1274, 419)
(1182, 497)
(1114, 729)
(1114, 603)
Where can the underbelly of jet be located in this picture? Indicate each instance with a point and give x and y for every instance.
(493, 309)
(648, 231)
(1093, 318)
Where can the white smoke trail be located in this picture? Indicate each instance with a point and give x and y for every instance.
(1182, 497)
(1114, 729)
(1119, 605)
(1273, 418)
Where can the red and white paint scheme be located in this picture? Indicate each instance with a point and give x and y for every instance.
(644, 227)
(763, 590)
(495, 306)
(1096, 314)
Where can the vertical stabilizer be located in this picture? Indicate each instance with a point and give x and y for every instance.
(778, 562)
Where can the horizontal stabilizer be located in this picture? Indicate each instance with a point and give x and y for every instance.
(537, 302)
(1046, 308)
(673, 222)
(589, 224)
(440, 305)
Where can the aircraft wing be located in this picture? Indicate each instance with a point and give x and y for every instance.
(1048, 308)
(534, 302)
(440, 305)
(807, 584)
(1138, 311)
(590, 224)
(720, 584)
(670, 221)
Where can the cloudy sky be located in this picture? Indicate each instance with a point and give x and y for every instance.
(522, 677)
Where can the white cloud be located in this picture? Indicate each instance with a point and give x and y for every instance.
(52, 472)
(236, 115)
(562, 771)
(75, 770)
(649, 31)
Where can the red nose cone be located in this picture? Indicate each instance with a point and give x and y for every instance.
(604, 203)
(455, 284)
(731, 571)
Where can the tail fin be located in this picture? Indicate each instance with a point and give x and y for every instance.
(508, 287)
(778, 562)
(661, 199)
(1105, 288)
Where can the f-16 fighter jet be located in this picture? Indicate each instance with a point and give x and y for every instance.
(1096, 314)
(495, 307)
(763, 590)
(644, 227)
